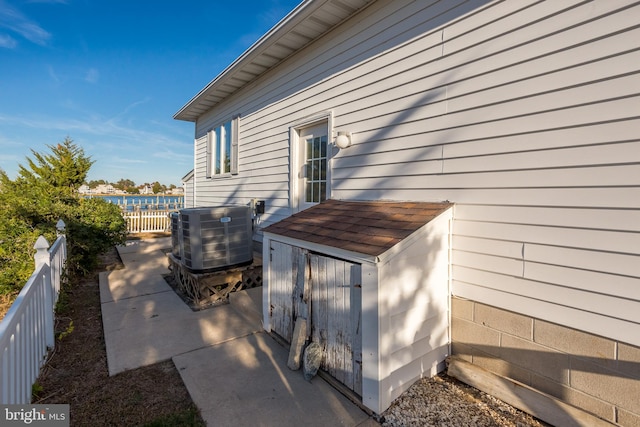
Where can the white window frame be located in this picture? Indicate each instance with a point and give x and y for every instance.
(294, 155)
(216, 143)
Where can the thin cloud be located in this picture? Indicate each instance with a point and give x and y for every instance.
(9, 158)
(53, 75)
(8, 42)
(92, 76)
(95, 125)
(172, 155)
(13, 20)
(121, 160)
(8, 143)
(131, 106)
(274, 14)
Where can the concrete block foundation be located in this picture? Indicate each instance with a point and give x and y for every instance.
(593, 373)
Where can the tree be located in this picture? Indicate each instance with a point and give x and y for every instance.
(95, 182)
(44, 191)
(65, 167)
(124, 184)
(157, 187)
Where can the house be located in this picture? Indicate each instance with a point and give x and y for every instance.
(146, 189)
(522, 115)
(188, 190)
(104, 189)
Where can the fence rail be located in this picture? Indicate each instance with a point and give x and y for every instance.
(27, 330)
(147, 221)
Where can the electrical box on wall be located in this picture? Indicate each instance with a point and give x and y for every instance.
(259, 207)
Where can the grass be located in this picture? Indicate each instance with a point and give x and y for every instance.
(77, 373)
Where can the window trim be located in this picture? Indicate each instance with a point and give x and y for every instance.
(294, 140)
(216, 146)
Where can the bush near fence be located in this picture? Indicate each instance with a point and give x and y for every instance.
(27, 330)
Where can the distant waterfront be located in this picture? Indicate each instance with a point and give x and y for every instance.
(131, 202)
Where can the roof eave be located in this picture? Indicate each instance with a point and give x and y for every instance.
(193, 109)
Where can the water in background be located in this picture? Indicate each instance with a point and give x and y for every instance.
(136, 202)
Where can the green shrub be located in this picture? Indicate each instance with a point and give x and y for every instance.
(32, 204)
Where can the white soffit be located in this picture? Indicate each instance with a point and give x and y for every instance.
(304, 24)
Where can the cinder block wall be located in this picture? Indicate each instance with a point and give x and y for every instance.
(599, 375)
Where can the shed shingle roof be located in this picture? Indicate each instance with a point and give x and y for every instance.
(366, 227)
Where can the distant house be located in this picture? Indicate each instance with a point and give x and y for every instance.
(146, 189)
(84, 189)
(188, 190)
(522, 115)
(104, 189)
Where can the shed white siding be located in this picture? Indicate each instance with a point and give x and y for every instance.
(402, 301)
(413, 309)
(526, 114)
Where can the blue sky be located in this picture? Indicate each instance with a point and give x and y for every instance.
(110, 74)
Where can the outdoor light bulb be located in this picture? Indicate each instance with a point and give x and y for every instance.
(343, 140)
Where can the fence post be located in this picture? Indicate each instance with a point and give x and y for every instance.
(58, 261)
(42, 256)
(60, 227)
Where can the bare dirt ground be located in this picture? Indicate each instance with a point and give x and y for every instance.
(77, 374)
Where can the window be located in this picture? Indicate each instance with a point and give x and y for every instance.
(316, 169)
(222, 149)
(310, 172)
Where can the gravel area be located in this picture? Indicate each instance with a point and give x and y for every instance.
(445, 401)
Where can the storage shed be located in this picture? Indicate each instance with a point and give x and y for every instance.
(371, 280)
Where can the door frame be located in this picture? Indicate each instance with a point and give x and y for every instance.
(294, 155)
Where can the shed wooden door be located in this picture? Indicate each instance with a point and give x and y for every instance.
(336, 317)
(286, 281)
(326, 291)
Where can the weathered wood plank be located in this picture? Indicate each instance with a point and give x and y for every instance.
(347, 338)
(281, 284)
(356, 325)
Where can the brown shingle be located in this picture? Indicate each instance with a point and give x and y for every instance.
(366, 227)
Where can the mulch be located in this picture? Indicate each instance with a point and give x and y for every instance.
(76, 372)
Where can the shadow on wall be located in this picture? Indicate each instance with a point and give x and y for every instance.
(348, 166)
(601, 385)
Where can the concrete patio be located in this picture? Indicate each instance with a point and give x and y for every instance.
(235, 372)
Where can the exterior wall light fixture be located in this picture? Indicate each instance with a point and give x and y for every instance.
(343, 140)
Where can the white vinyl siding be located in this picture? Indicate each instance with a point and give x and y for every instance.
(525, 114)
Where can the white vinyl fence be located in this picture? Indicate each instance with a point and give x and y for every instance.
(147, 221)
(27, 330)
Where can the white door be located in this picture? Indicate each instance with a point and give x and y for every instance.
(313, 166)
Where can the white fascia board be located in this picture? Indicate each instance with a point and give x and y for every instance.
(188, 176)
(292, 19)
